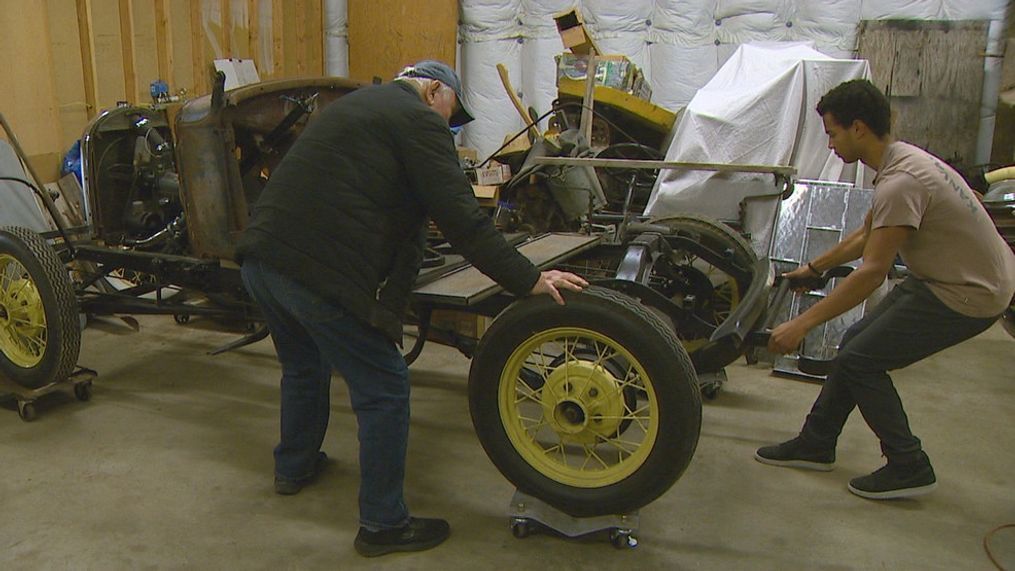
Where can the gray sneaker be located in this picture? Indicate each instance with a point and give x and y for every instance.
(796, 454)
(895, 480)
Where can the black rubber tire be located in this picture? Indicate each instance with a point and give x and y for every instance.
(649, 340)
(60, 306)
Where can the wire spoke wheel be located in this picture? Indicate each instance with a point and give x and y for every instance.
(587, 421)
(706, 288)
(40, 334)
(22, 317)
(592, 407)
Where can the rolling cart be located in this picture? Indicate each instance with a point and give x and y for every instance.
(81, 381)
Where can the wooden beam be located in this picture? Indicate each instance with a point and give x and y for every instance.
(301, 37)
(277, 38)
(197, 48)
(164, 43)
(254, 32)
(226, 12)
(84, 9)
(316, 19)
(127, 49)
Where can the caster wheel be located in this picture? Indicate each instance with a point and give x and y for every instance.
(83, 391)
(520, 528)
(623, 539)
(27, 411)
(710, 392)
(181, 318)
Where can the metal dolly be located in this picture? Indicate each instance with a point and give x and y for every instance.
(530, 514)
(80, 379)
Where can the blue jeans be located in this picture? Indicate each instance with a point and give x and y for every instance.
(313, 336)
(910, 324)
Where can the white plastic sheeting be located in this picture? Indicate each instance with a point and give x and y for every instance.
(758, 109)
(485, 95)
(678, 43)
(336, 37)
(18, 206)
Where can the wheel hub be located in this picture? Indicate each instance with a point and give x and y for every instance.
(583, 402)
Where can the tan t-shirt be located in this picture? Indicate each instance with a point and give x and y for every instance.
(956, 249)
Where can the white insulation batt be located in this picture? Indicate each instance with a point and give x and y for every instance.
(680, 44)
(758, 109)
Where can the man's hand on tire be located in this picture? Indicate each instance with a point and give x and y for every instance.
(553, 281)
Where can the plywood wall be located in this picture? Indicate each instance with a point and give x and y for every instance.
(386, 35)
(67, 60)
(933, 74)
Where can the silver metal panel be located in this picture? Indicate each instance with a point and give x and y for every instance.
(814, 219)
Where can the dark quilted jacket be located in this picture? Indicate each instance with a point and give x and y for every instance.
(344, 213)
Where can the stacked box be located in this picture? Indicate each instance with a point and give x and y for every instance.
(614, 71)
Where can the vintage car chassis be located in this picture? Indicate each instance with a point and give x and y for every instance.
(593, 407)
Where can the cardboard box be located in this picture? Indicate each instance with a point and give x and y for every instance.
(573, 34)
(468, 155)
(492, 174)
(486, 195)
(614, 71)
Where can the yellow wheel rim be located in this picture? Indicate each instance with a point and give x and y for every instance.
(22, 316)
(578, 407)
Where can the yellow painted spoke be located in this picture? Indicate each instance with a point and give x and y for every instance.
(622, 445)
(39, 343)
(526, 392)
(28, 322)
(590, 453)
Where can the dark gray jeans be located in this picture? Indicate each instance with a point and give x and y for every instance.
(910, 324)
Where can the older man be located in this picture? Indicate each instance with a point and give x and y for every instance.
(962, 278)
(330, 257)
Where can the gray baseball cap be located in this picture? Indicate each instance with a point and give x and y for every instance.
(442, 72)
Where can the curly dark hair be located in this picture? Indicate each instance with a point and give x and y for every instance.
(858, 99)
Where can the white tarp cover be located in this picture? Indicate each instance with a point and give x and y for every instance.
(18, 206)
(757, 109)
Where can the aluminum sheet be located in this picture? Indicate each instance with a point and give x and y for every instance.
(814, 219)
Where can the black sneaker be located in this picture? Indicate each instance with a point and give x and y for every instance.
(417, 535)
(796, 454)
(894, 480)
(288, 487)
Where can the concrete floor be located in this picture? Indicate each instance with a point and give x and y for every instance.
(169, 467)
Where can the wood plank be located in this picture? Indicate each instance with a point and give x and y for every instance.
(127, 50)
(469, 286)
(109, 69)
(301, 37)
(936, 97)
(315, 38)
(385, 35)
(226, 13)
(146, 48)
(27, 96)
(164, 43)
(87, 42)
(197, 42)
(67, 71)
(183, 48)
(277, 38)
(254, 32)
